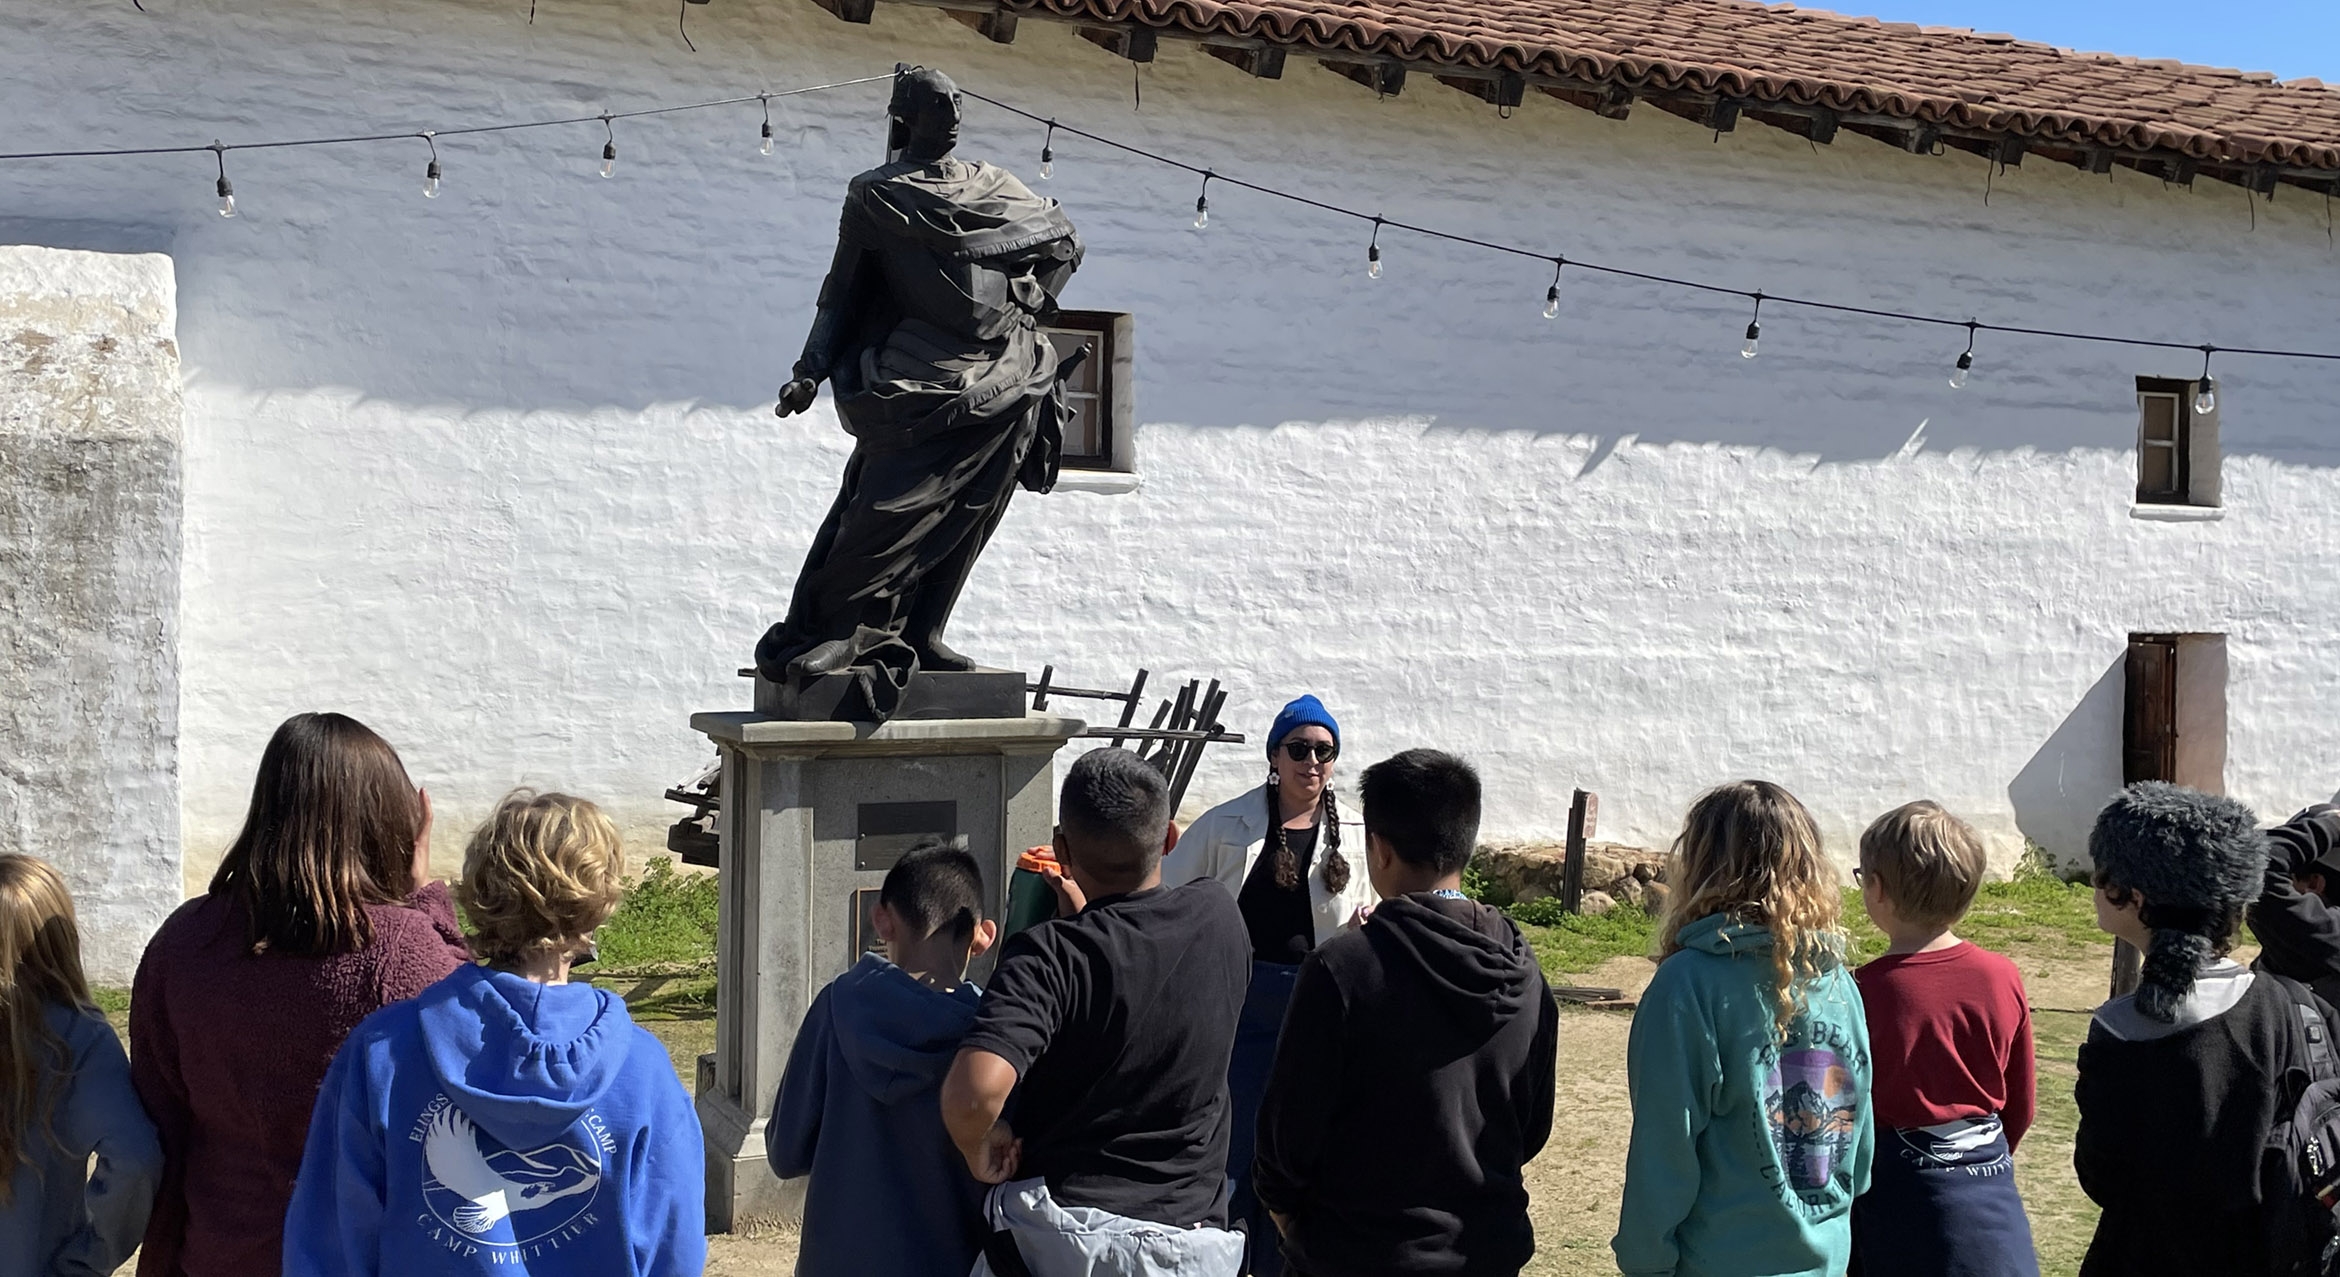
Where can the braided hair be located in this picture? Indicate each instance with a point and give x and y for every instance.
(1328, 823)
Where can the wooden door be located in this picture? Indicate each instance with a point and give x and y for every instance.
(2149, 716)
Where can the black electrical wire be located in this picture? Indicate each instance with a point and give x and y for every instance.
(1542, 255)
(1209, 175)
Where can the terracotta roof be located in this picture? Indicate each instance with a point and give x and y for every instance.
(1678, 53)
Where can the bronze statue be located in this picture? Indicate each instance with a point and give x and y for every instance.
(928, 334)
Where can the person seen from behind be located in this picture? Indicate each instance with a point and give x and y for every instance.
(322, 912)
(508, 1119)
(1414, 1077)
(2182, 1080)
(858, 1109)
(78, 1157)
(1748, 1059)
(1277, 850)
(1950, 1032)
(1112, 1027)
(2296, 918)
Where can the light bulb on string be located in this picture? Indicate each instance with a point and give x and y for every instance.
(1754, 330)
(1048, 153)
(226, 188)
(1552, 294)
(1965, 360)
(1202, 202)
(2206, 392)
(1373, 252)
(609, 148)
(766, 99)
(431, 173)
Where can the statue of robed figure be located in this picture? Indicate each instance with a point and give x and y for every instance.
(928, 332)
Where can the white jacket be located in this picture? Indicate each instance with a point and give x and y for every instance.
(1223, 843)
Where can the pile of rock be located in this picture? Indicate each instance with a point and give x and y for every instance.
(1613, 873)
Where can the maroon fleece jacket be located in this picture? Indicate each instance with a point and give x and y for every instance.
(228, 1048)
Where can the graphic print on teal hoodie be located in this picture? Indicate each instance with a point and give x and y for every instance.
(494, 1124)
(1747, 1151)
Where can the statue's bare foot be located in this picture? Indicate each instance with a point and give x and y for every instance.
(934, 654)
(828, 658)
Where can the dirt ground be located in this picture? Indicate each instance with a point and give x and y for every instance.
(1577, 1183)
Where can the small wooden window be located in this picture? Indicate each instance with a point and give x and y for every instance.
(2177, 447)
(2163, 443)
(1089, 442)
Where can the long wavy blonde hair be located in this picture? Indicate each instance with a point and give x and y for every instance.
(40, 963)
(1750, 851)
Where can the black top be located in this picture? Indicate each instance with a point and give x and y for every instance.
(2299, 934)
(1119, 1020)
(2170, 1135)
(1414, 1078)
(1281, 920)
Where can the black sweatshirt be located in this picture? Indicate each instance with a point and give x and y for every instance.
(2170, 1134)
(2299, 935)
(1412, 1081)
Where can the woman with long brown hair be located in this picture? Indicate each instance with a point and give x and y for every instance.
(65, 1095)
(322, 912)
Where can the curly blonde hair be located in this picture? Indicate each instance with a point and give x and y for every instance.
(539, 876)
(1750, 851)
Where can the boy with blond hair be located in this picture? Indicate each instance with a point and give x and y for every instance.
(1950, 1032)
(507, 1119)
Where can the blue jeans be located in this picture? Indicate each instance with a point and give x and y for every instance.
(1247, 1075)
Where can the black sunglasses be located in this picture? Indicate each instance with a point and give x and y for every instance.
(1300, 751)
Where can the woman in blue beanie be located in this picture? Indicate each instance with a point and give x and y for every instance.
(1278, 849)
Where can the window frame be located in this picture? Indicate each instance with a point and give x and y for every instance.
(2179, 395)
(1110, 332)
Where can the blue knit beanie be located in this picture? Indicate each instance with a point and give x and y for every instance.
(1305, 712)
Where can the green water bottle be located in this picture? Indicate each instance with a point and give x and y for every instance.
(1031, 901)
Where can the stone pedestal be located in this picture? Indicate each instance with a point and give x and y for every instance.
(813, 815)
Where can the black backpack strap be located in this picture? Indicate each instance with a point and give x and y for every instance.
(2313, 1038)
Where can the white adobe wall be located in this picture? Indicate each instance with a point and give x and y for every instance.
(89, 552)
(497, 472)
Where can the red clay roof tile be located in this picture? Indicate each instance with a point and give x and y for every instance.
(1944, 76)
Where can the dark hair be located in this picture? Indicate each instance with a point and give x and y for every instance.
(331, 830)
(1425, 805)
(1328, 823)
(1115, 811)
(935, 887)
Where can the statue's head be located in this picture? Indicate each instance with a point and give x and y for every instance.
(926, 114)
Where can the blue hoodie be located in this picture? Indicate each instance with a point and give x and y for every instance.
(494, 1124)
(860, 1111)
(1747, 1151)
(62, 1219)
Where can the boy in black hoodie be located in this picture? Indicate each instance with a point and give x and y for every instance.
(1414, 1075)
(2297, 924)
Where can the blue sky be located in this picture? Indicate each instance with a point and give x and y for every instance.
(2292, 38)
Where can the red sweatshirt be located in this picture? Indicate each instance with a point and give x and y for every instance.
(1950, 1032)
(227, 1050)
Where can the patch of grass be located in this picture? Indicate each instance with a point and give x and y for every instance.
(1575, 942)
(665, 924)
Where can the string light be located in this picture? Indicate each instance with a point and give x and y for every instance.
(431, 174)
(2206, 391)
(227, 189)
(1373, 252)
(1754, 330)
(1965, 360)
(1048, 153)
(1552, 294)
(1202, 202)
(766, 99)
(2206, 394)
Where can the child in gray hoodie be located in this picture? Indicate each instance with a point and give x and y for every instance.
(858, 1109)
(65, 1096)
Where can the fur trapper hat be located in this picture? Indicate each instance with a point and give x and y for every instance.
(2196, 858)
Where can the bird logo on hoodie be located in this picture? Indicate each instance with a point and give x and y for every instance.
(494, 1196)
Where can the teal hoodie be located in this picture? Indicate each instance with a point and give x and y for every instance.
(1747, 1151)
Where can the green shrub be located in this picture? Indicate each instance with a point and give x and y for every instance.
(665, 923)
(1480, 887)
